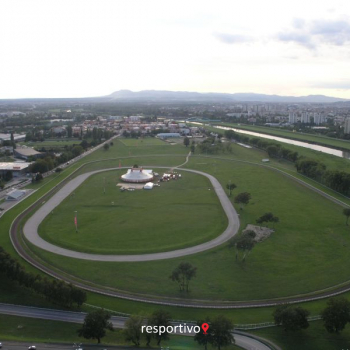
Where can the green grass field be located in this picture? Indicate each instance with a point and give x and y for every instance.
(315, 139)
(142, 142)
(136, 222)
(299, 258)
(332, 260)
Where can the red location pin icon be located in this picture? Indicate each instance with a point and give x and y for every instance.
(205, 327)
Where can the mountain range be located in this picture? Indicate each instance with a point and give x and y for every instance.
(163, 96)
(185, 96)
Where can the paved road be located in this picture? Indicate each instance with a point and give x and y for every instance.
(30, 229)
(243, 340)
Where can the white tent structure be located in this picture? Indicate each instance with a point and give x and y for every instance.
(148, 186)
(137, 175)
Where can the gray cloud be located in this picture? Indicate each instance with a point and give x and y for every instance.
(232, 38)
(335, 85)
(300, 38)
(317, 32)
(298, 23)
(334, 32)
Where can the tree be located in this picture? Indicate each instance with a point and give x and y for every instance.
(192, 148)
(95, 325)
(69, 131)
(230, 134)
(132, 331)
(77, 150)
(242, 199)
(106, 146)
(346, 212)
(267, 217)
(159, 318)
(272, 151)
(183, 274)
(201, 338)
(221, 330)
(291, 318)
(186, 141)
(13, 144)
(244, 243)
(230, 188)
(336, 315)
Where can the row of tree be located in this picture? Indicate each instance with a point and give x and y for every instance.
(57, 292)
(334, 179)
(335, 316)
(212, 145)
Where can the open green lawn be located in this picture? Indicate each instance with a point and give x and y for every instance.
(300, 257)
(142, 142)
(179, 213)
(119, 151)
(316, 139)
(313, 338)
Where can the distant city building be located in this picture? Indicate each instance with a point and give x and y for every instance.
(14, 195)
(292, 118)
(7, 137)
(134, 118)
(25, 153)
(168, 135)
(16, 168)
(319, 118)
(347, 126)
(305, 117)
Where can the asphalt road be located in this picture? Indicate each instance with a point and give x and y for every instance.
(30, 229)
(245, 341)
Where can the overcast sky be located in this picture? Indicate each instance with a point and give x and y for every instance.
(76, 48)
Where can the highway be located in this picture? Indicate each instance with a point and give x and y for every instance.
(243, 340)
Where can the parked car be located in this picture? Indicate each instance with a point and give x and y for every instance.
(32, 347)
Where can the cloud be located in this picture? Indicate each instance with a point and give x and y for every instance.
(297, 37)
(233, 38)
(298, 23)
(318, 32)
(334, 85)
(334, 32)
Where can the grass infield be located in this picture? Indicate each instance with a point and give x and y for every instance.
(178, 214)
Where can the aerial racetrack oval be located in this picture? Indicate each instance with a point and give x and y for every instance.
(316, 294)
(30, 229)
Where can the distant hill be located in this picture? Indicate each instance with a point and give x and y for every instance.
(185, 96)
(160, 96)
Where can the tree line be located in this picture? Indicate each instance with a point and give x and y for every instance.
(335, 316)
(336, 180)
(55, 291)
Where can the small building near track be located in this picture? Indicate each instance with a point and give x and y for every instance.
(16, 168)
(15, 195)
